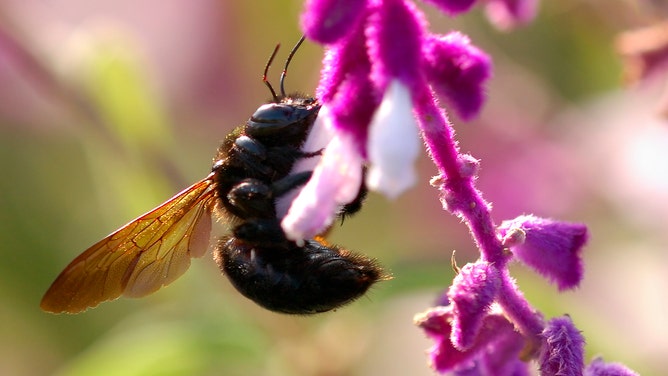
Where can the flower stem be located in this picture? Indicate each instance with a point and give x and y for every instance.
(517, 309)
(465, 201)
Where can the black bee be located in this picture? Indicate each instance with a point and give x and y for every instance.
(251, 171)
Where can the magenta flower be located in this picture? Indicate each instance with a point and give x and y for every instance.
(563, 349)
(381, 67)
(600, 368)
(504, 14)
(466, 68)
(495, 351)
(382, 73)
(552, 248)
(471, 294)
(451, 7)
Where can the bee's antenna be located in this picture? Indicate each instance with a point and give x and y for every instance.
(287, 62)
(266, 69)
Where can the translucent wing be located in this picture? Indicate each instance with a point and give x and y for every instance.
(140, 257)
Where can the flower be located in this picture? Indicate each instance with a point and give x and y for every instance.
(600, 368)
(393, 143)
(380, 61)
(495, 351)
(563, 349)
(471, 294)
(381, 75)
(552, 248)
(485, 328)
(458, 71)
(451, 7)
(335, 182)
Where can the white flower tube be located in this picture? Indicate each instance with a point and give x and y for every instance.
(393, 144)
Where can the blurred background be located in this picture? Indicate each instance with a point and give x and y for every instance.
(108, 108)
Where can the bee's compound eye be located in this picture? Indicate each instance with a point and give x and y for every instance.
(274, 118)
(273, 113)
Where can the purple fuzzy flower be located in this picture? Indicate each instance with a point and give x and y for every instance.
(451, 7)
(471, 294)
(598, 367)
(381, 67)
(327, 21)
(552, 248)
(489, 353)
(381, 74)
(563, 350)
(457, 71)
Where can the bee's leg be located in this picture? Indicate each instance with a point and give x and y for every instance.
(356, 204)
(251, 198)
(263, 232)
(251, 156)
(290, 182)
(255, 203)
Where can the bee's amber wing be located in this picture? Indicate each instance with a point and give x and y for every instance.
(140, 257)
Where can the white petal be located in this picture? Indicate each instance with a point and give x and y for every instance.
(320, 135)
(393, 144)
(335, 182)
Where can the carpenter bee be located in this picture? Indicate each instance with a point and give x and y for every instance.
(251, 171)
